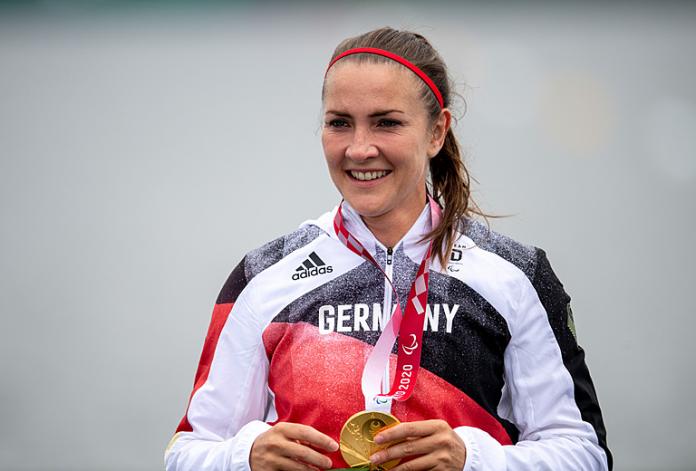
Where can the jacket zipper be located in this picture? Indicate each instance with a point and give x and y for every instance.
(389, 270)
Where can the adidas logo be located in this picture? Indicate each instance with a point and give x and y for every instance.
(312, 266)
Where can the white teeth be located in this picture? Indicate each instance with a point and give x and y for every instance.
(368, 175)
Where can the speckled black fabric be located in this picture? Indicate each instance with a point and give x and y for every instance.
(522, 256)
(234, 285)
(263, 257)
(259, 259)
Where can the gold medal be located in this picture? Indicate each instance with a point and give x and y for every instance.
(358, 439)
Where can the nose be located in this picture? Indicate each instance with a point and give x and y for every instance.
(361, 146)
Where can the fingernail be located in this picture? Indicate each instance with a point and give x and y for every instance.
(334, 446)
(375, 459)
(379, 439)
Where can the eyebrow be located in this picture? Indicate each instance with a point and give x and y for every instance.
(376, 114)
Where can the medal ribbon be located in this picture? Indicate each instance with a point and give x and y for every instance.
(408, 325)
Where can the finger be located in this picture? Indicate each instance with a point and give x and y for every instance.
(283, 463)
(305, 454)
(420, 446)
(418, 464)
(310, 435)
(275, 460)
(405, 430)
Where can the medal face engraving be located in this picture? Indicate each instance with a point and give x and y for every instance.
(358, 439)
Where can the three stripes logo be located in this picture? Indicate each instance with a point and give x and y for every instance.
(311, 266)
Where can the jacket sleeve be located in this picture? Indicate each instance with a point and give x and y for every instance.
(548, 391)
(230, 397)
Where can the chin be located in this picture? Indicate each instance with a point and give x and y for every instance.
(367, 208)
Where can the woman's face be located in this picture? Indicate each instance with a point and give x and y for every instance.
(378, 139)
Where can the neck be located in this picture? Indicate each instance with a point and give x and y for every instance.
(391, 227)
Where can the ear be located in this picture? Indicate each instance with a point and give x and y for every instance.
(439, 132)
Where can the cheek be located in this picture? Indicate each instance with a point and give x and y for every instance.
(324, 141)
(332, 150)
(412, 156)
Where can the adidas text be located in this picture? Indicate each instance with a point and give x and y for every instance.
(312, 272)
(313, 265)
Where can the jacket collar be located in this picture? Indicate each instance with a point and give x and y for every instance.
(411, 242)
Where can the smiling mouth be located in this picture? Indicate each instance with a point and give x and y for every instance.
(368, 176)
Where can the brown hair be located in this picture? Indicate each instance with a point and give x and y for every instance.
(449, 179)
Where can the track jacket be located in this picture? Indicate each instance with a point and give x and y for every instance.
(296, 319)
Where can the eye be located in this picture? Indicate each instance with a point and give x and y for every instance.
(337, 123)
(388, 123)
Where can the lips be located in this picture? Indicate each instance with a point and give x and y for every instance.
(368, 175)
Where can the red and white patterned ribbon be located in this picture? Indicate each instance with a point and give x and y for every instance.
(406, 325)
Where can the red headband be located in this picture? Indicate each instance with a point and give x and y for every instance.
(394, 57)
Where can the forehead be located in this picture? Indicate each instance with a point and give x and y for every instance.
(352, 84)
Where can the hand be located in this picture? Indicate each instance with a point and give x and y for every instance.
(288, 446)
(434, 443)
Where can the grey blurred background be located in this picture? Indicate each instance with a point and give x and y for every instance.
(145, 149)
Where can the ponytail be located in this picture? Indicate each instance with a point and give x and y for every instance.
(450, 187)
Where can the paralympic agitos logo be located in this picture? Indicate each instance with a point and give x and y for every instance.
(311, 266)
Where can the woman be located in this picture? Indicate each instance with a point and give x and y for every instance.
(487, 373)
